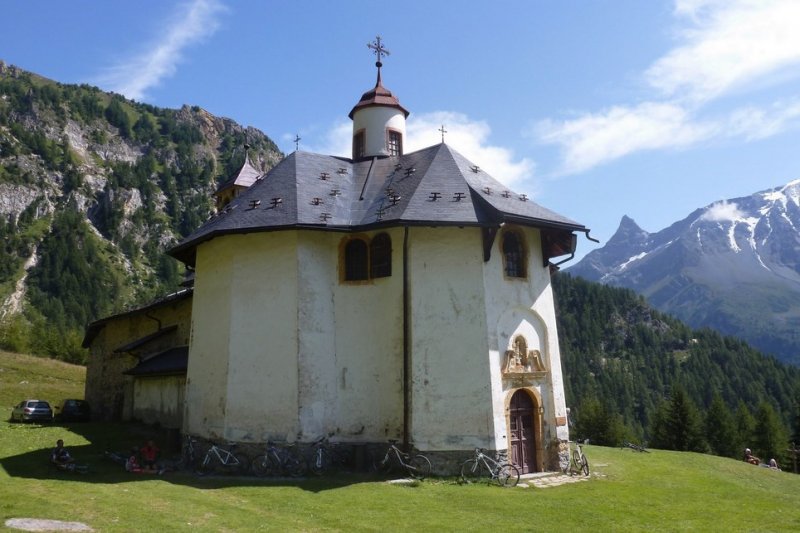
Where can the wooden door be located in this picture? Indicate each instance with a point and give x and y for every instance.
(523, 436)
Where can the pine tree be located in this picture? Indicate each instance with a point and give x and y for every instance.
(770, 434)
(745, 427)
(720, 428)
(678, 425)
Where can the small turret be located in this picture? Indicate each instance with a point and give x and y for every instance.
(379, 121)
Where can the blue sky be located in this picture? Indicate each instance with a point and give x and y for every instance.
(596, 110)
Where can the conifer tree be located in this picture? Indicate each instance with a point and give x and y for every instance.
(745, 427)
(770, 434)
(677, 425)
(721, 431)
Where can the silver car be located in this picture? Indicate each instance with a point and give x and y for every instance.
(29, 410)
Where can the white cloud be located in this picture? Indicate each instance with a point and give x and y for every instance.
(723, 212)
(190, 24)
(723, 46)
(753, 123)
(469, 137)
(593, 139)
(728, 45)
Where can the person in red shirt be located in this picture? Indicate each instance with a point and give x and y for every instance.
(149, 453)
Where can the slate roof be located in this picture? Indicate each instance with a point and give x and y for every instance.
(434, 186)
(167, 363)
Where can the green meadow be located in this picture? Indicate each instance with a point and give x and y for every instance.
(627, 491)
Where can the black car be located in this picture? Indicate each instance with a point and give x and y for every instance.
(28, 410)
(71, 410)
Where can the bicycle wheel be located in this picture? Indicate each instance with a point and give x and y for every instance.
(239, 463)
(419, 467)
(507, 475)
(576, 460)
(263, 466)
(584, 465)
(472, 472)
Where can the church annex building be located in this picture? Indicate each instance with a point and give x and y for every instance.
(388, 295)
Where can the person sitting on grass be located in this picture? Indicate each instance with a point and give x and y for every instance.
(750, 458)
(149, 454)
(63, 460)
(132, 465)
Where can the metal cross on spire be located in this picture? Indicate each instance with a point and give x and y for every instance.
(297, 140)
(378, 50)
(443, 132)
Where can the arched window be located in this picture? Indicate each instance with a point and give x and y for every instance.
(356, 260)
(514, 257)
(380, 256)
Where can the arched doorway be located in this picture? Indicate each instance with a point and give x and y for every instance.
(522, 426)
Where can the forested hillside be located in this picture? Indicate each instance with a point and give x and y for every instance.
(633, 372)
(93, 188)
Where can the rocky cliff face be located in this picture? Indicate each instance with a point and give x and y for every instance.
(139, 177)
(733, 266)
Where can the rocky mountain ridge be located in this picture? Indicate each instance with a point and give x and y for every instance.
(138, 177)
(733, 266)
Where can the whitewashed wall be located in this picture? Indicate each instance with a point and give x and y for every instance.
(452, 391)
(524, 306)
(374, 121)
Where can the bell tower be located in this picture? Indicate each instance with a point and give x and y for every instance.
(379, 121)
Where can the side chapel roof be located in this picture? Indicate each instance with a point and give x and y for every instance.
(435, 186)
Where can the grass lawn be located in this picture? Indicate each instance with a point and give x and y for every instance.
(628, 491)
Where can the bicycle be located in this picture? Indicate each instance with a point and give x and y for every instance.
(578, 463)
(322, 456)
(279, 460)
(226, 460)
(418, 466)
(482, 466)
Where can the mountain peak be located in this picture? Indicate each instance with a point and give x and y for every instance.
(733, 266)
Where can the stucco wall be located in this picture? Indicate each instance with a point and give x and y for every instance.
(159, 400)
(452, 392)
(375, 121)
(524, 307)
(242, 379)
(308, 355)
(369, 352)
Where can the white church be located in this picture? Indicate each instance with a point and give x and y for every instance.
(388, 295)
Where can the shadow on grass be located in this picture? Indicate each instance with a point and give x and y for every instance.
(118, 437)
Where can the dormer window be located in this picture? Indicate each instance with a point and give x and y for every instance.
(359, 145)
(394, 142)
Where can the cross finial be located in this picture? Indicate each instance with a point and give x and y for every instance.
(297, 140)
(443, 132)
(378, 49)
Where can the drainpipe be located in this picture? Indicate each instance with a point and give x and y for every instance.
(406, 347)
